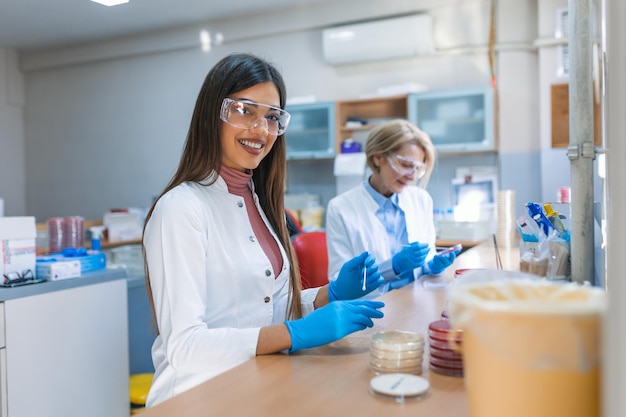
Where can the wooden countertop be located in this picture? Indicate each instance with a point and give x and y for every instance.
(333, 380)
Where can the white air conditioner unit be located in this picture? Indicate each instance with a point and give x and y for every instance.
(378, 40)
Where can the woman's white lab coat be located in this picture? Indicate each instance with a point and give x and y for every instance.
(352, 226)
(212, 284)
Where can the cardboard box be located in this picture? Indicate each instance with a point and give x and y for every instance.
(17, 244)
(54, 271)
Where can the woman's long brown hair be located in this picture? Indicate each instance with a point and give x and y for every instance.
(202, 154)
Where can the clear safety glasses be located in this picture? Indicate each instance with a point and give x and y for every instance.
(406, 166)
(248, 114)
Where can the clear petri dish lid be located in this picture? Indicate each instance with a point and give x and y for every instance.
(399, 387)
(397, 340)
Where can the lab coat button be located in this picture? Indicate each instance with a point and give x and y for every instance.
(240, 203)
(267, 299)
(252, 239)
(268, 272)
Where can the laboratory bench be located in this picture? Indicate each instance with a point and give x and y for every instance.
(64, 347)
(333, 380)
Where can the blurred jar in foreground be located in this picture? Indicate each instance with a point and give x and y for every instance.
(531, 347)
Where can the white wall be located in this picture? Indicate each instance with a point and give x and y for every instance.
(105, 122)
(12, 154)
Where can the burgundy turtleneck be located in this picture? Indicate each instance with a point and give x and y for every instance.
(237, 183)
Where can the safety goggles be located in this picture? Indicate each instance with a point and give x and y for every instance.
(406, 166)
(17, 277)
(248, 114)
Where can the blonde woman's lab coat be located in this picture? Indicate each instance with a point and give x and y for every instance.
(352, 227)
(212, 285)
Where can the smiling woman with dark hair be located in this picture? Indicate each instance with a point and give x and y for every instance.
(220, 269)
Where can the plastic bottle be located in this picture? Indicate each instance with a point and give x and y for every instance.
(555, 219)
(96, 237)
(536, 212)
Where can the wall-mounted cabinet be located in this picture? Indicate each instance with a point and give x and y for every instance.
(560, 117)
(356, 117)
(456, 120)
(311, 131)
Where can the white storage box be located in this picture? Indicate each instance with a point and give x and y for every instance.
(54, 271)
(465, 231)
(129, 257)
(123, 226)
(17, 245)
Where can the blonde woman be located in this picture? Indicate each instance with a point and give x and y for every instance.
(391, 213)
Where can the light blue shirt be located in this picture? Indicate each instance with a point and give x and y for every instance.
(392, 217)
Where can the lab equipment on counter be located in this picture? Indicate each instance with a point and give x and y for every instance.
(451, 249)
(555, 220)
(399, 387)
(531, 347)
(96, 237)
(444, 359)
(544, 248)
(17, 248)
(70, 263)
(396, 351)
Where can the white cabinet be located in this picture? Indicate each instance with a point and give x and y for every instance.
(66, 353)
(456, 120)
(3, 366)
(310, 134)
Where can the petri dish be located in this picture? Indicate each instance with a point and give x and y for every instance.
(446, 363)
(393, 351)
(391, 355)
(442, 344)
(400, 387)
(416, 370)
(445, 353)
(442, 370)
(397, 341)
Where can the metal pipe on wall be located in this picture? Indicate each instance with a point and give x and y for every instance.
(581, 150)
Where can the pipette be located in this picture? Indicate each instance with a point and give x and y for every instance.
(364, 287)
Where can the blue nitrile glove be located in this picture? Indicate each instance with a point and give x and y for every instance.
(439, 263)
(410, 257)
(349, 282)
(332, 322)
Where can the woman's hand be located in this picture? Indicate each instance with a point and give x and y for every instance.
(349, 284)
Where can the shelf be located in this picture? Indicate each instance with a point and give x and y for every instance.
(375, 108)
(105, 244)
(357, 129)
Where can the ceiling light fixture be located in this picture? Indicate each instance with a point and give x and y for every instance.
(110, 2)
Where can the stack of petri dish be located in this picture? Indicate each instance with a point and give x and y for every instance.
(55, 234)
(444, 359)
(396, 351)
(73, 232)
